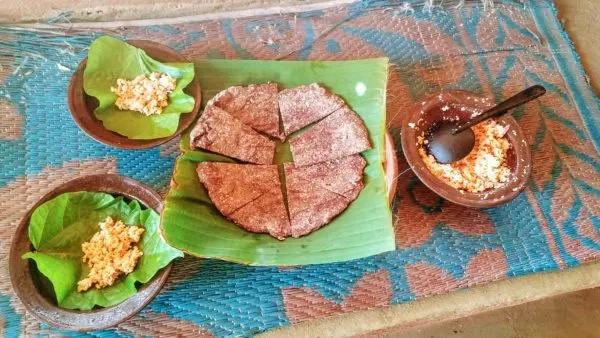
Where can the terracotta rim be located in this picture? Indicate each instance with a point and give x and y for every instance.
(390, 167)
(486, 199)
(82, 105)
(44, 308)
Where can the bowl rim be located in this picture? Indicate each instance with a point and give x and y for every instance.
(94, 128)
(485, 199)
(77, 320)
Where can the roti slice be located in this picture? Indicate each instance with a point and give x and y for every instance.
(250, 195)
(340, 134)
(256, 106)
(266, 214)
(310, 206)
(303, 105)
(231, 186)
(342, 176)
(219, 132)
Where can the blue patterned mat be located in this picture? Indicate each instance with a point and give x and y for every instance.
(442, 247)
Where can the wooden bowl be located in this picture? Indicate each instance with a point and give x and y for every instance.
(82, 105)
(25, 276)
(422, 114)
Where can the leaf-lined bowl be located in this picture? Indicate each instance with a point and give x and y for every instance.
(92, 103)
(36, 291)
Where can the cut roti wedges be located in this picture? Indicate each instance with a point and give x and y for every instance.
(219, 132)
(250, 195)
(310, 206)
(340, 134)
(303, 105)
(256, 105)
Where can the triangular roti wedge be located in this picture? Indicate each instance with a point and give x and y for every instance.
(303, 105)
(256, 105)
(266, 214)
(310, 204)
(219, 132)
(249, 195)
(340, 134)
(342, 176)
(231, 186)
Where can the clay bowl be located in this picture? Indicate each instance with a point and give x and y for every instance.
(82, 105)
(390, 166)
(519, 157)
(26, 280)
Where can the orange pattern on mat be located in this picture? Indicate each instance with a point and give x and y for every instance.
(372, 290)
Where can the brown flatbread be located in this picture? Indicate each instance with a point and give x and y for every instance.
(338, 135)
(231, 186)
(218, 131)
(256, 106)
(265, 214)
(249, 195)
(310, 206)
(342, 176)
(303, 105)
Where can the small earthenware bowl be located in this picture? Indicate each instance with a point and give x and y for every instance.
(82, 105)
(390, 166)
(419, 118)
(26, 280)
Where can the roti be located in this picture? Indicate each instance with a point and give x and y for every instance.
(303, 105)
(266, 214)
(341, 176)
(340, 134)
(231, 186)
(219, 132)
(310, 206)
(249, 195)
(256, 106)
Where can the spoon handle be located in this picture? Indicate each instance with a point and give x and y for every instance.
(504, 106)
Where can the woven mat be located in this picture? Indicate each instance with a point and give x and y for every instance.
(441, 247)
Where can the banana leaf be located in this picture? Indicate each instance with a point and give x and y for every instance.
(110, 59)
(58, 228)
(190, 222)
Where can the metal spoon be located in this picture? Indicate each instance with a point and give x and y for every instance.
(449, 142)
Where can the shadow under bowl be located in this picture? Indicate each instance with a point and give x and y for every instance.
(82, 106)
(419, 118)
(34, 290)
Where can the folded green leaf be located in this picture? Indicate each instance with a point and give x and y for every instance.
(59, 227)
(191, 222)
(110, 59)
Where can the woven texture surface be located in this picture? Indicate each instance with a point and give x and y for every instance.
(441, 247)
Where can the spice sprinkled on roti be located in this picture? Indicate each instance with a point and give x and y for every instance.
(338, 135)
(218, 131)
(303, 105)
(250, 195)
(255, 105)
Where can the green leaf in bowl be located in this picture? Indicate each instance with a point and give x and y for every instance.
(190, 221)
(110, 59)
(58, 228)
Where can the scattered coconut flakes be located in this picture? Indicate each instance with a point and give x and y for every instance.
(483, 169)
(445, 108)
(110, 253)
(147, 95)
(412, 125)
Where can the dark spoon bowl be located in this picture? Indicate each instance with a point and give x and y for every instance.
(28, 283)
(422, 115)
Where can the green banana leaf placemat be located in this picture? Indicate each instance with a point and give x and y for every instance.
(190, 221)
